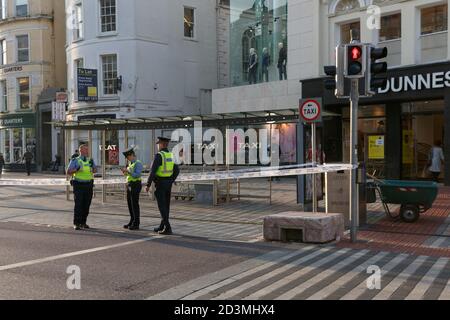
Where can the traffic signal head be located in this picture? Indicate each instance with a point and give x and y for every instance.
(377, 77)
(355, 61)
(330, 83)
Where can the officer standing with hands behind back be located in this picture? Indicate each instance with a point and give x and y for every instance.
(133, 173)
(82, 170)
(164, 173)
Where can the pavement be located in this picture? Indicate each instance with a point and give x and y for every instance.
(216, 252)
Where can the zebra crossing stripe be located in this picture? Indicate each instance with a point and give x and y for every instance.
(445, 295)
(439, 242)
(362, 287)
(299, 289)
(402, 277)
(229, 294)
(427, 280)
(240, 276)
(192, 286)
(328, 290)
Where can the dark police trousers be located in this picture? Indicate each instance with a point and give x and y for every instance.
(83, 192)
(28, 167)
(163, 193)
(133, 192)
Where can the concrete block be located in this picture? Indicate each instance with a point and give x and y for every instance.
(313, 227)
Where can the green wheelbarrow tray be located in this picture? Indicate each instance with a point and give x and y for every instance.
(414, 197)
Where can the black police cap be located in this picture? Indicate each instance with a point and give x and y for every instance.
(162, 139)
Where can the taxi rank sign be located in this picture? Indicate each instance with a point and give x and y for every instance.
(311, 110)
(87, 85)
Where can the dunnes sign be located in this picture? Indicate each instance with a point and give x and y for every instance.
(417, 82)
(17, 121)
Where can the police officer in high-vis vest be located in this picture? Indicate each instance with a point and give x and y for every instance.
(82, 170)
(134, 180)
(164, 173)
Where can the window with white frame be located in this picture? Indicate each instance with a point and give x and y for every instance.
(108, 16)
(3, 12)
(78, 30)
(21, 8)
(3, 59)
(434, 19)
(23, 89)
(391, 27)
(346, 29)
(109, 74)
(3, 96)
(23, 50)
(189, 22)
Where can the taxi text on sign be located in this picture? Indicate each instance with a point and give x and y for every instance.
(311, 110)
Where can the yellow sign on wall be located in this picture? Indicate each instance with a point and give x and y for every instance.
(376, 147)
(408, 147)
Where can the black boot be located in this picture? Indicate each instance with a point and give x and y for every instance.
(160, 228)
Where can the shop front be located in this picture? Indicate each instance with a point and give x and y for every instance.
(398, 127)
(17, 135)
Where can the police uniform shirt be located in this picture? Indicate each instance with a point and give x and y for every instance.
(138, 168)
(74, 165)
(156, 164)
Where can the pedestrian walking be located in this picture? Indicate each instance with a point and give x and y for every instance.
(28, 158)
(2, 164)
(164, 172)
(82, 170)
(435, 160)
(134, 186)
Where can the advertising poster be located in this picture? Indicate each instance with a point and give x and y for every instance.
(408, 147)
(87, 85)
(376, 147)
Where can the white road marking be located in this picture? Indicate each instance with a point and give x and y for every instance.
(73, 254)
(339, 283)
(362, 287)
(445, 295)
(250, 272)
(396, 283)
(427, 280)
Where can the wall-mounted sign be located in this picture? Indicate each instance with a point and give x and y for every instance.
(11, 69)
(376, 147)
(58, 111)
(417, 82)
(87, 80)
(61, 97)
(25, 120)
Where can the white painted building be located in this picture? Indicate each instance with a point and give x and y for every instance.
(164, 51)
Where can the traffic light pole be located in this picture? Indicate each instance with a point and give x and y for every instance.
(354, 101)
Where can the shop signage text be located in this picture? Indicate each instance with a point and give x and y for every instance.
(12, 69)
(435, 80)
(17, 121)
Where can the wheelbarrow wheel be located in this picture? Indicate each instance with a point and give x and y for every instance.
(409, 213)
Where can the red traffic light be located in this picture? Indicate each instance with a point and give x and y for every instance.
(355, 53)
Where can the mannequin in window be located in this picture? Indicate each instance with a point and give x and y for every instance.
(265, 64)
(253, 66)
(282, 61)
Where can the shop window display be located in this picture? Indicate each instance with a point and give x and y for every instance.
(258, 41)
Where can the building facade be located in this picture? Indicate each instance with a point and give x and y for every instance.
(152, 59)
(32, 61)
(397, 127)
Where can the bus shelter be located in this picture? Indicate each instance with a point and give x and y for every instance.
(153, 125)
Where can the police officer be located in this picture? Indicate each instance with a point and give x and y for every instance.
(82, 170)
(164, 172)
(133, 173)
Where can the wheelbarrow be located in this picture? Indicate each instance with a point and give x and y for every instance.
(414, 197)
